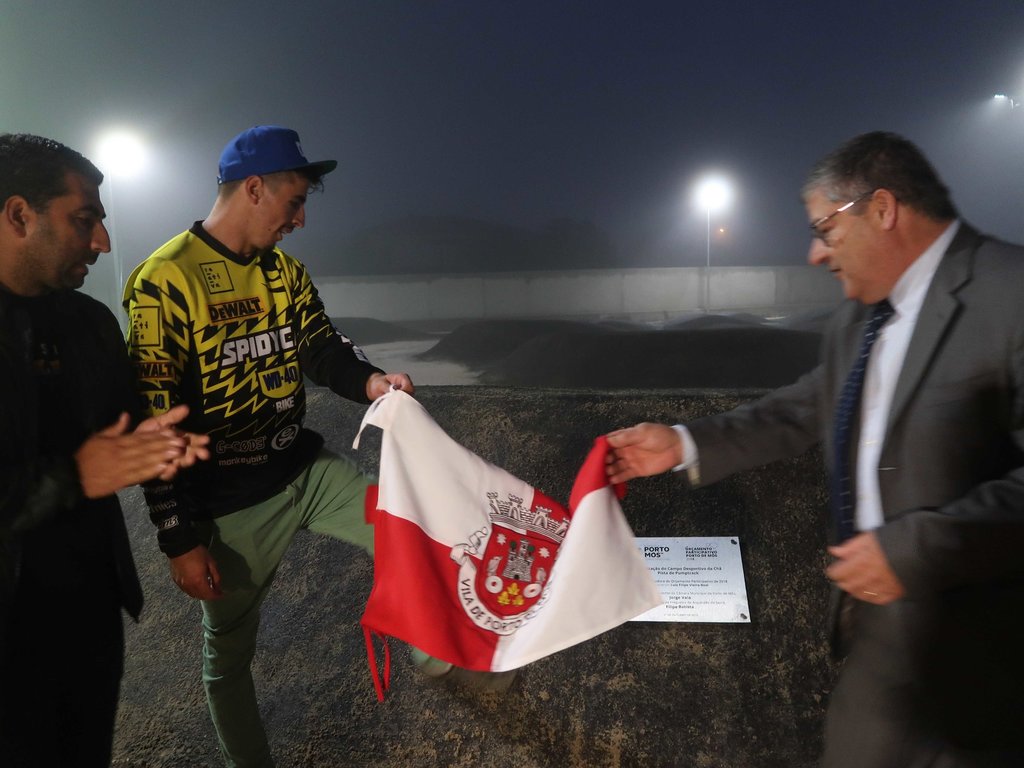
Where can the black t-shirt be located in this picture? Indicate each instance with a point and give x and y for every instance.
(69, 549)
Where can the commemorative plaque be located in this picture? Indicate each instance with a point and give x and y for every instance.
(700, 578)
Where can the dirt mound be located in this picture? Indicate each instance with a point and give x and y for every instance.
(740, 357)
(813, 320)
(486, 342)
(705, 322)
(365, 330)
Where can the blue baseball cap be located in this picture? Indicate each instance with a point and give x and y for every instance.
(266, 149)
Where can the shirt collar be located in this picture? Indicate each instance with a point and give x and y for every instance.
(907, 295)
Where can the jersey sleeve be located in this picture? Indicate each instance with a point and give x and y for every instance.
(159, 343)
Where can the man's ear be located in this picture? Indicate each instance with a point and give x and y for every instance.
(18, 216)
(886, 209)
(254, 188)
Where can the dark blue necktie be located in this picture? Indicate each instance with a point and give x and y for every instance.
(847, 413)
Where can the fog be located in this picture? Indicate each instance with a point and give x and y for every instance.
(503, 136)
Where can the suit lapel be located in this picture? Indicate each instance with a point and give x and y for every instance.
(937, 312)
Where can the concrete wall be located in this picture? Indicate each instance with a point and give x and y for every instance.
(634, 293)
(626, 293)
(643, 695)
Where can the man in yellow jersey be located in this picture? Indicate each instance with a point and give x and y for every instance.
(223, 320)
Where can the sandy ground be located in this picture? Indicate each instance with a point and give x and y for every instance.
(641, 695)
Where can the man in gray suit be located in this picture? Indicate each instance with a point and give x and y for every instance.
(919, 405)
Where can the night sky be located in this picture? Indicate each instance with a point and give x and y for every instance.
(517, 113)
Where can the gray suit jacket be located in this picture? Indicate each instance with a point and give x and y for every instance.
(951, 475)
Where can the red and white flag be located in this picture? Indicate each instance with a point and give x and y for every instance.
(476, 567)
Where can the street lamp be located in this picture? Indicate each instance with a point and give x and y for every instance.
(712, 194)
(119, 154)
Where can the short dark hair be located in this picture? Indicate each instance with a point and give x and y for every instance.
(316, 181)
(882, 160)
(315, 178)
(36, 168)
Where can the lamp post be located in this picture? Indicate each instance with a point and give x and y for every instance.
(119, 154)
(711, 195)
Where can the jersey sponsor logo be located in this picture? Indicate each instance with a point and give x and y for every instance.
(248, 445)
(151, 371)
(355, 347)
(280, 381)
(157, 402)
(258, 458)
(145, 326)
(215, 273)
(235, 310)
(170, 522)
(285, 437)
(256, 346)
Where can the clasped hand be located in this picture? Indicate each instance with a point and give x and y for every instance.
(116, 457)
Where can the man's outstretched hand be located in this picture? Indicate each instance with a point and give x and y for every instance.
(641, 451)
(381, 383)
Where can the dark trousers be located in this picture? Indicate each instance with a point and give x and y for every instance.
(61, 666)
(874, 718)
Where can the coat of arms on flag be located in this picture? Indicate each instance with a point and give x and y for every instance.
(518, 552)
(476, 567)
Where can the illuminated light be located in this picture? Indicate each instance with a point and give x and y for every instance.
(121, 153)
(713, 194)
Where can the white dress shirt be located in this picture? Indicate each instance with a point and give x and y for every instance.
(883, 371)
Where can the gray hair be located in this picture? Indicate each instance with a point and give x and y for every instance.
(882, 160)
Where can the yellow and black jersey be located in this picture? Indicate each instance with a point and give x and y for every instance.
(232, 337)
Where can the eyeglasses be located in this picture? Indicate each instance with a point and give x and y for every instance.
(819, 223)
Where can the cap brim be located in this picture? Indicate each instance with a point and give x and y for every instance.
(321, 168)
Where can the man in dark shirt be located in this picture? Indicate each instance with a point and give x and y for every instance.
(67, 399)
